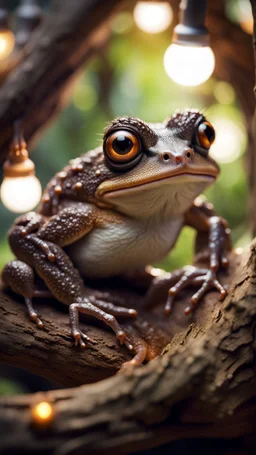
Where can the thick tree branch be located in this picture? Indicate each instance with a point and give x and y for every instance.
(202, 385)
(67, 38)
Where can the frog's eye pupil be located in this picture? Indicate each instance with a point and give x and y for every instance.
(209, 132)
(205, 135)
(122, 145)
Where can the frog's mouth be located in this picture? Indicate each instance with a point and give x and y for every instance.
(179, 177)
(160, 198)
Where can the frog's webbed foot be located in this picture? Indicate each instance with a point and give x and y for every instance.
(173, 283)
(86, 306)
(194, 276)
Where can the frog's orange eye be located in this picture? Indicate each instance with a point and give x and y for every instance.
(205, 135)
(122, 146)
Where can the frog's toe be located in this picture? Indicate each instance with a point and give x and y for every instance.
(194, 276)
(81, 338)
(111, 305)
(34, 317)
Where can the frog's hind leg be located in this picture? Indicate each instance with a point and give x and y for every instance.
(19, 277)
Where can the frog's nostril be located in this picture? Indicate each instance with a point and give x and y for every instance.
(188, 154)
(179, 159)
(166, 157)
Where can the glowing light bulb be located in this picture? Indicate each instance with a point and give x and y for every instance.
(153, 17)
(7, 41)
(21, 194)
(189, 65)
(42, 413)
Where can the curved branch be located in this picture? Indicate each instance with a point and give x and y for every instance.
(35, 89)
(202, 385)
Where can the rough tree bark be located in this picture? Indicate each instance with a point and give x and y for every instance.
(202, 385)
(202, 381)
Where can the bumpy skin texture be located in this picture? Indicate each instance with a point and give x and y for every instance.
(99, 219)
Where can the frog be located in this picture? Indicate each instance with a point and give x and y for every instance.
(113, 211)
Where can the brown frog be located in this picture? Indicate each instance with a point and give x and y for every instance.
(113, 211)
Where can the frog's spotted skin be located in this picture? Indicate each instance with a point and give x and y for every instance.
(100, 218)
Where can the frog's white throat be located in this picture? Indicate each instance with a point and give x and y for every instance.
(160, 199)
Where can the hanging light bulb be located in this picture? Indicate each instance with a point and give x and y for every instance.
(153, 17)
(187, 65)
(7, 38)
(21, 190)
(189, 61)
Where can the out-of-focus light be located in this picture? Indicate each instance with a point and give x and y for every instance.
(229, 141)
(21, 194)
(7, 41)
(42, 414)
(85, 97)
(189, 65)
(122, 23)
(245, 16)
(224, 93)
(153, 17)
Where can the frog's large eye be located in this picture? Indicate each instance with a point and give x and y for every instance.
(122, 146)
(205, 135)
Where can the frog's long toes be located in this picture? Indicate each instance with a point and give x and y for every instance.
(188, 310)
(34, 317)
(86, 338)
(133, 313)
(121, 335)
(77, 336)
(168, 305)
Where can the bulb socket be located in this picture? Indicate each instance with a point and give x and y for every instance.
(19, 169)
(191, 30)
(195, 36)
(18, 163)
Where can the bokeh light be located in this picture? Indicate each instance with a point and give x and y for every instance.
(7, 41)
(224, 93)
(42, 414)
(153, 17)
(229, 141)
(122, 23)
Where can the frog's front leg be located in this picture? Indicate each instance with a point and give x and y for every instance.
(202, 218)
(60, 275)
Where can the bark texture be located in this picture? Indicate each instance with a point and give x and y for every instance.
(203, 384)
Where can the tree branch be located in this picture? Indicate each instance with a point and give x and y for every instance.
(202, 386)
(67, 38)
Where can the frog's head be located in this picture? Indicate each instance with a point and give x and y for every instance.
(158, 169)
